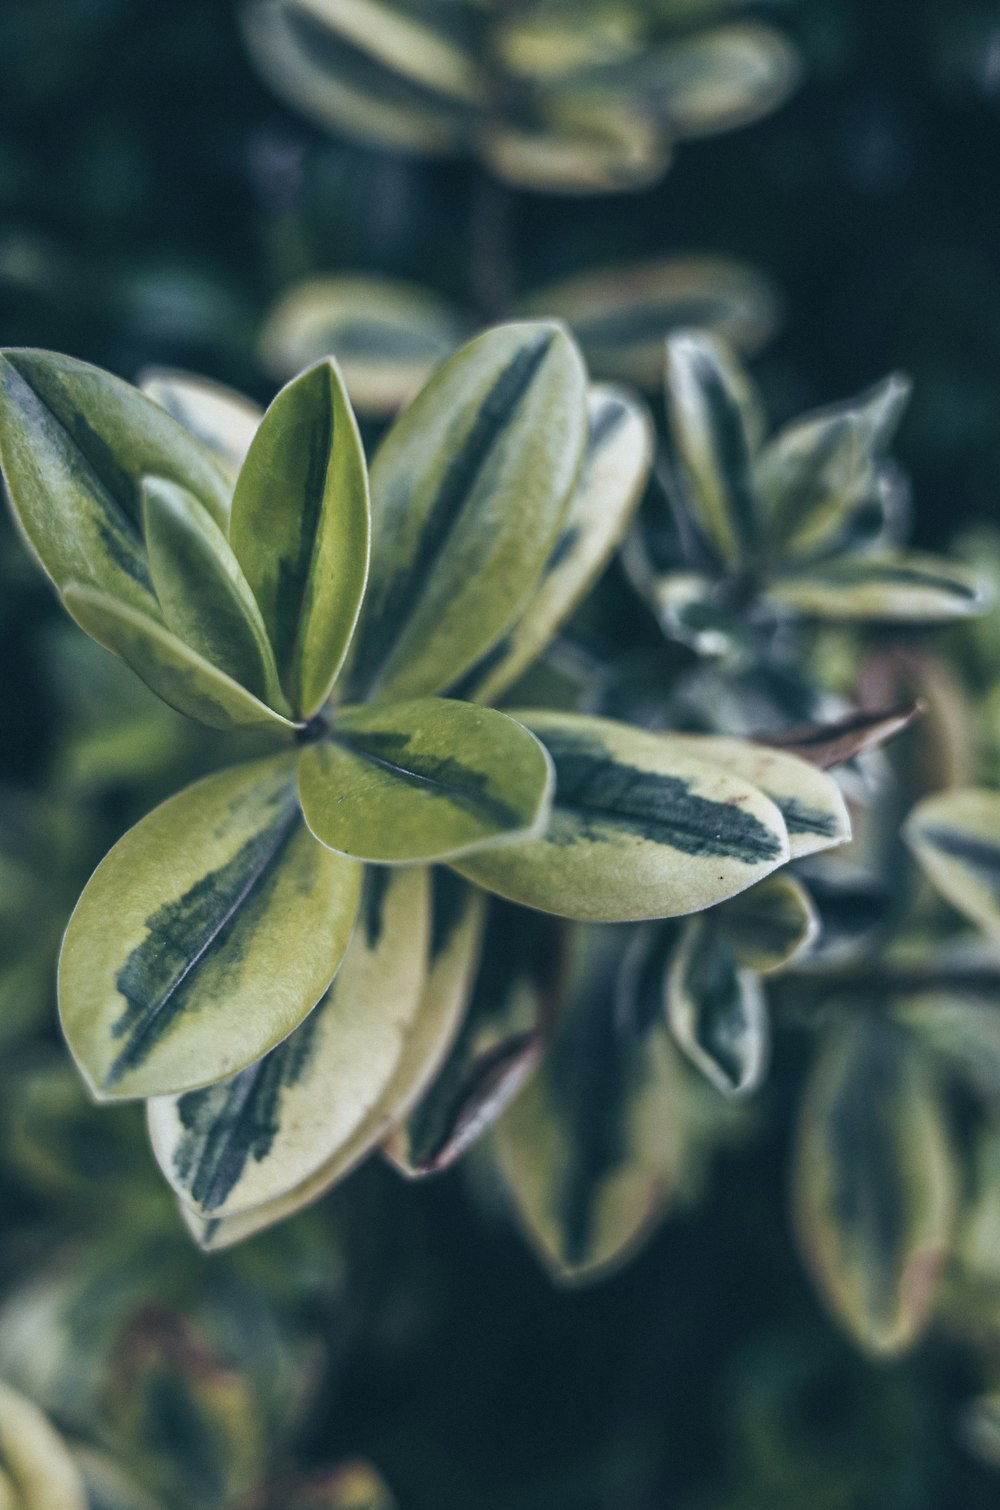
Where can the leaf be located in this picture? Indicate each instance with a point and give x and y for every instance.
(36, 1470)
(386, 335)
(203, 595)
(829, 745)
(716, 427)
(173, 671)
(615, 466)
(219, 417)
(621, 315)
(299, 529)
(874, 1184)
(820, 470)
(208, 933)
(640, 828)
(588, 1151)
(717, 1012)
(411, 45)
(75, 444)
(960, 1029)
(580, 146)
(956, 837)
(469, 491)
(768, 925)
(352, 1486)
(902, 588)
(496, 1050)
(457, 921)
(258, 1135)
(809, 801)
(423, 780)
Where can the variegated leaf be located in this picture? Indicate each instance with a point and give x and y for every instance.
(416, 43)
(809, 801)
(219, 417)
(956, 837)
(640, 828)
(620, 315)
(457, 914)
(75, 444)
(178, 674)
(495, 1051)
(716, 425)
(588, 1151)
(874, 1183)
(300, 528)
(961, 1027)
(768, 925)
(207, 934)
(904, 588)
(820, 470)
(580, 146)
(387, 336)
(203, 595)
(262, 1133)
(423, 780)
(36, 1469)
(829, 745)
(469, 491)
(716, 1010)
(615, 467)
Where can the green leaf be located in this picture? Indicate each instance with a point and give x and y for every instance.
(640, 828)
(469, 492)
(960, 1028)
(423, 780)
(874, 1184)
(75, 444)
(615, 467)
(589, 1149)
(956, 837)
(768, 925)
(716, 426)
(258, 1135)
(580, 146)
(621, 315)
(203, 595)
(810, 802)
(411, 45)
(497, 1048)
(820, 470)
(903, 588)
(299, 529)
(353, 1486)
(387, 336)
(457, 922)
(717, 1012)
(208, 933)
(174, 672)
(36, 1469)
(219, 417)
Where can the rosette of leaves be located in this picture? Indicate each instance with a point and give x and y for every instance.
(802, 527)
(566, 98)
(231, 958)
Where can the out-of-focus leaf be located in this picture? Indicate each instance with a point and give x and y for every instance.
(75, 444)
(615, 466)
(853, 906)
(716, 1011)
(36, 1469)
(59, 1141)
(716, 425)
(423, 780)
(469, 492)
(203, 595)
(961, 1028)
(588, 1151)
(219, 417)
(108, 1485)
(640, 828)
(904, 588)
(387, 336)
(620, 315)
(207, 934)
(829, 745)
(300, 528)
(770, 924)
(956, 837)
(582, 146)
(809, 801)
(262, 1133)
(413, 41)
(353, 1486)
(178, 674)
(874, 1184)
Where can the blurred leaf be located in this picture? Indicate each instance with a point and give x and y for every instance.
(768, 925)
(220, 418)
(716, 1011)
(36, 1470)
(956, 837)
(353, 1486)
(901, 588)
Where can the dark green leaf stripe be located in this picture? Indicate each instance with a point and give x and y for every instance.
(732, 453)
(980, 855)
(955, 835)
(802, 819)
(443, 775)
